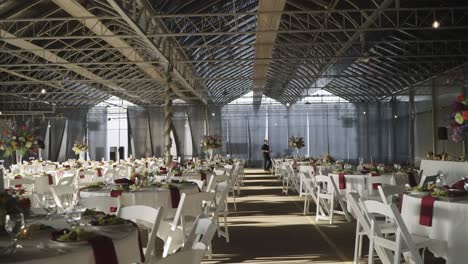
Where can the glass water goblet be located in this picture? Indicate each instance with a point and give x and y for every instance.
(49, 205)
(14, 223)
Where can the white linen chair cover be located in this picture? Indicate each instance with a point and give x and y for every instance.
(150, 218)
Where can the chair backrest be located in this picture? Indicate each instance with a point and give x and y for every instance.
(219, 171)
(306, 169)
(86, 177)
(66, 180)
(61, 192)
(214, 180)
(202, 231)
(22, 181)
(372, 208)
(48, 167)
(151, 218)
(322, 182)
(200, 183)
(387, 192)
(221, 192)
(106, 204)
(42, 184)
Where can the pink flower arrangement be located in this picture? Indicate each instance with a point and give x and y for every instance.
(459, 118)
(20, 138)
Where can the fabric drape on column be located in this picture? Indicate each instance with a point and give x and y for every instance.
(56, 133)
(156, 129)
(138, 123)
(257, 128)
(196, 117)
(76, 129)
(178, 125)
(97, 132)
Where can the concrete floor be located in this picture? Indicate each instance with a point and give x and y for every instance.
(269, 227)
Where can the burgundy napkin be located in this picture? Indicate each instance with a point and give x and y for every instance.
(375, 185)
(341, 181)
(203, 176)
(175, 196)
(104, 251)
(99, 172)
(116, 193)
(400, 201)
(17, 177)
(51, 180)
(82, 176)
(124, 181)
(178, 174)
(427, 208)
(459, 185)
(112, 209)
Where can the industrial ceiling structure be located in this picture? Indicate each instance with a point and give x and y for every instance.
(70, 53)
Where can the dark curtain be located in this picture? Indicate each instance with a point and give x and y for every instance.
(196, 117)
(97, 132)
(76, 129)
(340, 129)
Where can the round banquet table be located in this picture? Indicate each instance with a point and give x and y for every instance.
(150, 196)
(192, 176)
(449, 225)
(125, 244)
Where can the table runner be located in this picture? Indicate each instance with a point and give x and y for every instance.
(427, 210)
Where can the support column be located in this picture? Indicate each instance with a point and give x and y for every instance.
(434, 117)
(411, 118)
(168, 114)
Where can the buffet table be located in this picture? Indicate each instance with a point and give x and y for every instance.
(448, 226)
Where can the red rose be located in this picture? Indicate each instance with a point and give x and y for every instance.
(465, 115)
(6, 132)
(460, 97)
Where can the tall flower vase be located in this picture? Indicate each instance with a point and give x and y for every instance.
(19, 158)
(82, 156)
(297, 153)
(210, 154)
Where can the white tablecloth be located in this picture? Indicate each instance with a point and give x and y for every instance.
(125, 244)
(449, 224)
(356, 183)
(149, 196)
(452, 170)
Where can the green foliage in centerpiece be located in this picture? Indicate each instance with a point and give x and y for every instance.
(296, 142)
(19, 137)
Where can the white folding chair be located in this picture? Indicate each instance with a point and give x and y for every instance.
(203, 231)
(372, 181)
(401, 242)
(304, 173)
(200, 183)
(148, 217)
(26, 183)
(327, 193)
(220, 209)
(363, 229)
(86, 177)
(64, 194)
(66, 180)
(106, 204)
(387, 193)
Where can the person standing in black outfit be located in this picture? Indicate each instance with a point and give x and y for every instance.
(266, 156)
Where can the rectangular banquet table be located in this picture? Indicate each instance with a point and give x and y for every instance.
(449, 225)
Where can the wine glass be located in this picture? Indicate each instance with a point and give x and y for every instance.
(49, 205)
(14, 223)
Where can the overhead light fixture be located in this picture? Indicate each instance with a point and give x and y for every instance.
(43, 91)
(436, 24)
(49, 125)
(395, 116)
(287, 104)
(212, 114)
(364, 112)
(276, 124)
(0, 113)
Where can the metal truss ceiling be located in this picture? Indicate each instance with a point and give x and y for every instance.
(84, 51)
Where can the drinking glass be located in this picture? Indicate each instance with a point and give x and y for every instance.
(14, 223)
(49, 205)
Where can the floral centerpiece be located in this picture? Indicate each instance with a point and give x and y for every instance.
(297, 143)
(327, 159)
(20, 138)
(459, 118)
(12, 201)
(209, 143)
(80, 149)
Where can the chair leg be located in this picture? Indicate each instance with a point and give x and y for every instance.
(317, 210)
(371, 251)
(356, 244)
(226, 230)
(332, 210)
